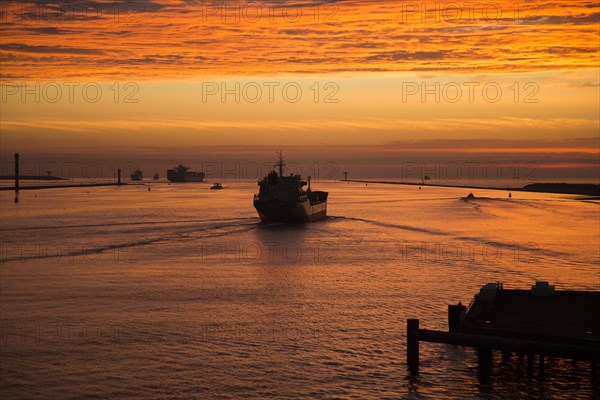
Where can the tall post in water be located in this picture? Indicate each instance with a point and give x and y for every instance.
(17, 172)
(485, 358)
(119, 176)
(412, 344)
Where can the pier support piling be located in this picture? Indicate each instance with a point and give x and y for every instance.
(119, 176)
(529, 364)
(484, 356)
(412, 344)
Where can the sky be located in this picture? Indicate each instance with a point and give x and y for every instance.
(370, 86)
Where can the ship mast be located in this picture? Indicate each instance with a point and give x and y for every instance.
(280, 163)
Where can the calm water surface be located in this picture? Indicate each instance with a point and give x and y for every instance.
(180, 292)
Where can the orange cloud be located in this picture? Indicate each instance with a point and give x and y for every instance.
(146, 39)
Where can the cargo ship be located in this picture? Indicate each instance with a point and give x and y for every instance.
(137, 175)
(283, 198)
(181, 173)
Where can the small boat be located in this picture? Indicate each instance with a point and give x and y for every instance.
(217, 186)
(156, 177)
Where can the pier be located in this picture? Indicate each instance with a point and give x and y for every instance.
(540, 321)
(18, 178)
(62, 186)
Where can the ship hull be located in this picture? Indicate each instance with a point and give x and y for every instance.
(273, 211)
(181, 174)
(186, 179)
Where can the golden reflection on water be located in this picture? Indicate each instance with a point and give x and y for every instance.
(117, 292)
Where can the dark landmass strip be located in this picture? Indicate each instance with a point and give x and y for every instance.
(561, 188)
(33, 178)
(566, 188)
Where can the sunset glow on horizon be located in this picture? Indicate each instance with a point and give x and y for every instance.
(296, 73)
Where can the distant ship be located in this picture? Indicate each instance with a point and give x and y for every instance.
(181, 174)
(282, 198)
(137, 175)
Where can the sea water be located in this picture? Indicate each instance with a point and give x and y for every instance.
(180, 292)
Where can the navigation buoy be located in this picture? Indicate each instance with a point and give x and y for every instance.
(509, 195)
(148, 189)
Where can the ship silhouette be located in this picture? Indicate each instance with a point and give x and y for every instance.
(181, 173)
(283, 198)
(137, 175)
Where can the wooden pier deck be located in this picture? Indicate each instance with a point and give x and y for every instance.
(564, 316)
(540, 321)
